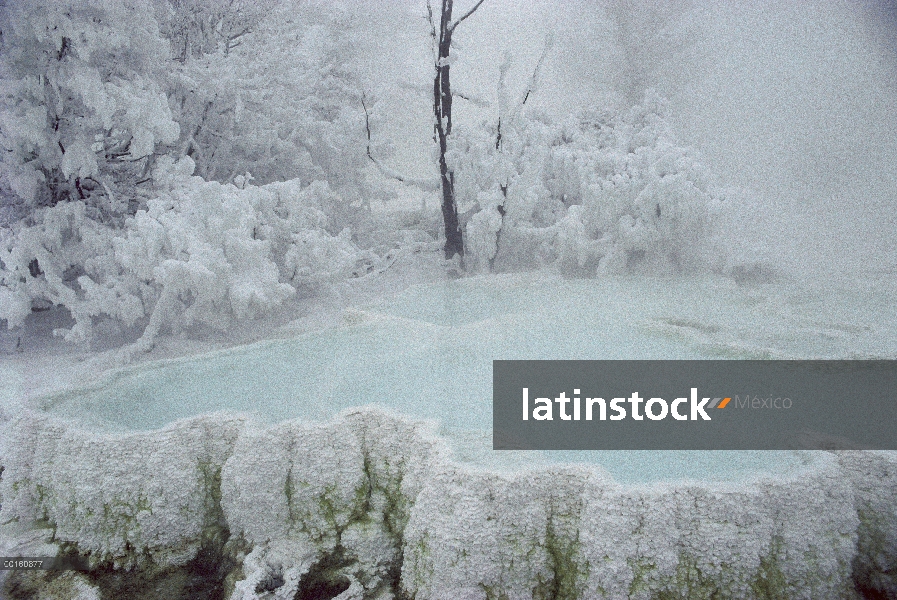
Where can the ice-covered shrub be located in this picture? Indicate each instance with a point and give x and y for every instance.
(281, 101)
(42, 263)
(598, 193)
(81, 109)
(202, 252)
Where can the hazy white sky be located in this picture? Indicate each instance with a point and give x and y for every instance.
(794, 99)
(738, 71)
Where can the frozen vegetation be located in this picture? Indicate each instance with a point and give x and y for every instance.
(179, 179)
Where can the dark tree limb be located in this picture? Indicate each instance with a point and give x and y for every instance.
(367, 125)
(442, 110)
(425, 184)
(467, 14)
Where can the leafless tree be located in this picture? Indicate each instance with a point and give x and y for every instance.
(442, 110)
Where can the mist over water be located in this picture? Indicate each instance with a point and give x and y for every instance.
(793, 103)
(797, 103)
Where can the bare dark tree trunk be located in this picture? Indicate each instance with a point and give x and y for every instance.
(442, 110)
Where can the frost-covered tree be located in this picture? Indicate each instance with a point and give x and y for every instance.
(195, 28)
(104, 212)
(283, 103)
(215, 253)
(442, 110)
(201, 253)
(81, 112)
(601, 193)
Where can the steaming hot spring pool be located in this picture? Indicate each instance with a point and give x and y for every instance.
(427, 353)
(269, 442)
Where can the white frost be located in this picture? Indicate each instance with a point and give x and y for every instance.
(380, 489)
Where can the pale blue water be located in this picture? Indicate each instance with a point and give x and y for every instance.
(428, 353)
